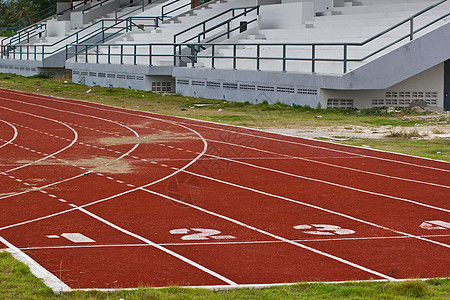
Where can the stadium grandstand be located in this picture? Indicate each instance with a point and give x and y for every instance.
(320, 53)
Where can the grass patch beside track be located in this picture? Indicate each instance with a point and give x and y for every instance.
(17, 282)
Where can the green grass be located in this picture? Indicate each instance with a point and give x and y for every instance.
(17, 282)
(434, 149)
(243, 114)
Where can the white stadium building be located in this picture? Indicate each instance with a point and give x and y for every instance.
(327, 53)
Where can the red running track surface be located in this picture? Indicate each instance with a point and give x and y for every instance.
(101, 197)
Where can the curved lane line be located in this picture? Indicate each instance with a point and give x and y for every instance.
(55, 153)
(184, 259)
(184, 121)
(205, 147)
(15, 134)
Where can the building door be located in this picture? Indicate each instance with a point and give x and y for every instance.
(447, 85)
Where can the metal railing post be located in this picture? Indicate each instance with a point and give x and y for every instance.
(212, 56)
(411, 29)
(121, 54)
(86, 54)
(97, 52)
(76, 52)
(345, 58)
(284, 58)
(174, 55)
(42, 53)
(192, 56)
(109, 54)
(234, 56)
(258, 61)
(135, 52)
(313, 58)
(150, 54)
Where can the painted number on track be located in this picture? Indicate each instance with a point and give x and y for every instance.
(199, 234)
(435, 225)
(323, 229)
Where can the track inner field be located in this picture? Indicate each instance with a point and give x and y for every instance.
(101, 197)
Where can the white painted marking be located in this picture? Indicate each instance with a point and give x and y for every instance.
(170, 252)
(14, 136)
(325, 254)
(304, 204)
(53, 236)
(311, 159)
(52, 120)
(77, 238)
(203, 234)
(323, 229)
(49, 279)
(317, 147)
(316, 240)
(435, 225)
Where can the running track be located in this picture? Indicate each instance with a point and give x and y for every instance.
(99, 197)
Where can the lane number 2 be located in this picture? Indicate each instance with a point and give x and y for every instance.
(199, 234)
(323, 229)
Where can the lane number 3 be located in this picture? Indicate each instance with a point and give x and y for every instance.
(323, 229)
(200, 234)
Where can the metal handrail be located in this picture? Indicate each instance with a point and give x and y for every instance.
(164, 14)
(72, 8)
(132, 4)
(29, 32)
(284, 58)
(95, 5)
(18, 49)
(203, 23)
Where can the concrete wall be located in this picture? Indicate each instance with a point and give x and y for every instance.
(57, 28)
(288, 15)
(427, 86)
(241, 86)
(78, 19)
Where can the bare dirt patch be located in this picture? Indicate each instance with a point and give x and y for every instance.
(362, 132)
(161, 137)
(106, 165)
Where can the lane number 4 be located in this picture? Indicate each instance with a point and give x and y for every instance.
(199, 234)
(323, 229)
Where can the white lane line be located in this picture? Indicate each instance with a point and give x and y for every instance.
(197, 123)
(159, 247)
(45, 157)
(311, 206)
(331, 165)
(49, 279)
(374, 238)
(331, 183)
(154, 182)
(14, 136)
(277, 237)
(317, 147)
